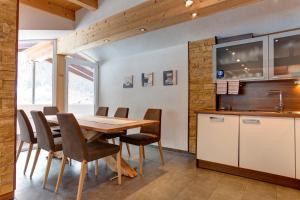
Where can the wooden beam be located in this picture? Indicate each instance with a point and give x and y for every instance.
(60, 82)
(151, 15)
(50, 7)
(88, 4)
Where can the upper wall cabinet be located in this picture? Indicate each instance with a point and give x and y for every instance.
(241, 60)
(284, 55)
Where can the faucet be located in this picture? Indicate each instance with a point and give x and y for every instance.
(279, 107)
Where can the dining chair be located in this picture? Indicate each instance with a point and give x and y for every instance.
(45, 141)
(51, 110)
(148, 135)
(76, 148)
(120, 113)
(26, 135)
(102, 111)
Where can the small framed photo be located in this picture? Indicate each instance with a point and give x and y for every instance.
(128, 82)
(170, 77)
(147, 79)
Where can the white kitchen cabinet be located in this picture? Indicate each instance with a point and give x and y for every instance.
(267, 144)
(218, 138)
(297, 139)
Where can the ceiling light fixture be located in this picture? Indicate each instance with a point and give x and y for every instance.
(142, 29)
(194, 15)
(106, 40)
(188, 3)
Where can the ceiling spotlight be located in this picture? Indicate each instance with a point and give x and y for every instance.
(194, 15)
(233, 53)
(106, 40)
(238, 60)
(188, 3)
(142, 29)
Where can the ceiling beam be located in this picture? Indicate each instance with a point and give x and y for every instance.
(50, 7)
(150, 15)
(88, 4)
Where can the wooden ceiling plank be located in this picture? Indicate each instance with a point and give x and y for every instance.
(50, 7)
(88, 4)
(152, 15)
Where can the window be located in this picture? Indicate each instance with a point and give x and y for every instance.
(35, 73)
(81, 95)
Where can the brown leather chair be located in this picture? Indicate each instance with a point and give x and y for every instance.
(102, 111)
(76, 148)
(52, 110)
(120, 113)
(45, 140)
(147, 135)
(26, 135)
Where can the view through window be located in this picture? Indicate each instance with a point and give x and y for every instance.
(35, 74)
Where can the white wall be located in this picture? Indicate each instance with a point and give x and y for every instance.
(36, 19)
(173, 100)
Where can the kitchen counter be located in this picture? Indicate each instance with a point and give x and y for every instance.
(291, 114)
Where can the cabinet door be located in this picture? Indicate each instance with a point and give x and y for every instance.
(285, 55)
(242, 60)
(267, 144)
(217, 138)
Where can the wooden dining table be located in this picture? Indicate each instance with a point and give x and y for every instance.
(100, 125)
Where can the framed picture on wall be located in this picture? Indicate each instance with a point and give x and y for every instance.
(170, 77)
(147, 79)
(128, 82)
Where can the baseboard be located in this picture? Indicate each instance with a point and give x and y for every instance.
(247, 173)
(8, 196)
(173, 150)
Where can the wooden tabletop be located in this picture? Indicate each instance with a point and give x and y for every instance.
(106, 124)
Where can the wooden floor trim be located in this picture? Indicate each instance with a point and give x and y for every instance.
(247, 173)
(8, 196)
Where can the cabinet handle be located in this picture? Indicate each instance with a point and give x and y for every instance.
(217, 119)
(251, 121)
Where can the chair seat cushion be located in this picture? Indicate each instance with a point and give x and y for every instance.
(58, 144)
(139, 139)
(107, 136)
(97, 150)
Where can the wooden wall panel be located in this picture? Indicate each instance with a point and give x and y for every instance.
(8, 61)
(254, 96)
(201, 86)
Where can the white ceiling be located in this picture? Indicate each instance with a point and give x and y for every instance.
(259, 18)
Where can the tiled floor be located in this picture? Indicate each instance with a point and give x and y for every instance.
(178, 179)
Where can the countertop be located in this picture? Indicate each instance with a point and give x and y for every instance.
(291, 114)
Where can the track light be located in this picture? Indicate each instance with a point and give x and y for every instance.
(188, 3)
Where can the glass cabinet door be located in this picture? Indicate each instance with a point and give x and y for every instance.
(285, 55)
(242, 60)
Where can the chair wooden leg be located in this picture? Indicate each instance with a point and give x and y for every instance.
(35, 161)
(128, 149)
(19, 150)
(81, 179)
(61, 173)
(28, 157)
(141, 160)
(50, 156)
(96, 168)
(144, 153)
(113, 141)
(161, 153)
(119, 168)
